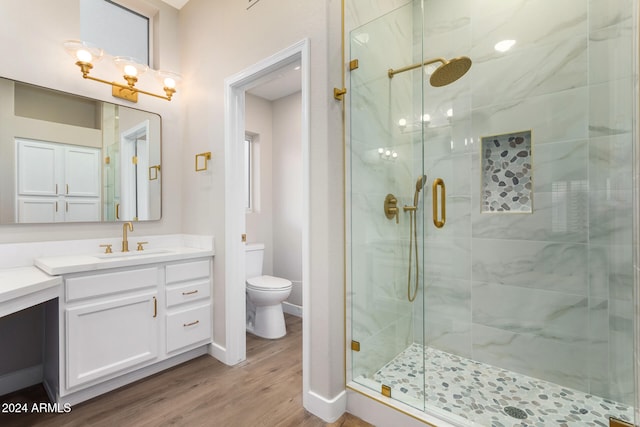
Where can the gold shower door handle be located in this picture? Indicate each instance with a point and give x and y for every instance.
(439, 223)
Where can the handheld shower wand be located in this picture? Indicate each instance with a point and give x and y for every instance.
(419, 185)
(413, 237)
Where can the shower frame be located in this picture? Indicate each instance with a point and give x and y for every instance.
(408, 409)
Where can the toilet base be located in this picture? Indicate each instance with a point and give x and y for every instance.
(268, 322)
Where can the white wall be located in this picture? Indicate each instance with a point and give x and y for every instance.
(276, 219)
(259, 226)
(287, 194)
(219, 39)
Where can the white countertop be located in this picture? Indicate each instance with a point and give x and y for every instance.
(23, 287)
(67, 264)
(28, 270)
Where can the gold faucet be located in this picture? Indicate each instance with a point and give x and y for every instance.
(125, 242)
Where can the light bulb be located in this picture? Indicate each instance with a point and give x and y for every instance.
(380, 150)
(130, 70)
(394, 155)
(450, 112)
(426, 118)
(387, 153)
(84, 55)
(170, 83)
(402, 122)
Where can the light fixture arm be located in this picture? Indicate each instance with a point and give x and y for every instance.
(120, 90)
(86, 54)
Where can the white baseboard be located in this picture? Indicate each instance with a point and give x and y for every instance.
(18, 380)
(294, 310)
(219, 352)
(329, 410)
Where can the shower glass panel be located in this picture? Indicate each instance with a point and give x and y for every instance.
(386, 163)
(525, 305)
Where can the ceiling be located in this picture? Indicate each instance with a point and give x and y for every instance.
(280, 83)
(176, 3)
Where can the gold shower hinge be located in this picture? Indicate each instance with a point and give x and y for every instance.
(134, 160)
(614, 422)
(339, 93)
(386, 390)
(353, 65)
(355, 345)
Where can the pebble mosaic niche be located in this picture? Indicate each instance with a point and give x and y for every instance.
(506, 173)
(491, 396)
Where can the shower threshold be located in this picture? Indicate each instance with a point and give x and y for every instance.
(490, 396)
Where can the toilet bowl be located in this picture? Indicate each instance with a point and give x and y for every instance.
(265, 295)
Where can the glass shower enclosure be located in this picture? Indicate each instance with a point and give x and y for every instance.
(490, 214)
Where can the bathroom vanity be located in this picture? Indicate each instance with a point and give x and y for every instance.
(122, 316)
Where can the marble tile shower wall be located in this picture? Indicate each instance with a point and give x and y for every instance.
(546, 294)
(381, 316)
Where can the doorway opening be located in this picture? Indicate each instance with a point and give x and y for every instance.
(236, 88)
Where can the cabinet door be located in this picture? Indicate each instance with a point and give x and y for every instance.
(39, 210)
(111, 336)
(81, 209)
(82, 172)
(38, 170)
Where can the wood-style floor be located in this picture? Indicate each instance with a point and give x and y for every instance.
(265, 390)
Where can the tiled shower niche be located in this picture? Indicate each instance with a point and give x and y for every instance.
(507, 173)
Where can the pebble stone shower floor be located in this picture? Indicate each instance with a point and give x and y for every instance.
(491, 396)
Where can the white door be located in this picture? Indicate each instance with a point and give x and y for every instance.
(134, 149)
(111, 336)
(81, 209)
(38, 168)
(82, 171)
(39, 210)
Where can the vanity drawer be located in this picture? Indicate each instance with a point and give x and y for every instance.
(97, 285)
(187, 271)
(192, 291)
(188, 327)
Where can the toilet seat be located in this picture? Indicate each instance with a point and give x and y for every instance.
(265, 283)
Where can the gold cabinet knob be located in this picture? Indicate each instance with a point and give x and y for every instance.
(107, 250)
(140, 247)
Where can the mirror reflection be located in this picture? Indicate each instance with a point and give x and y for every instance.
(66, 158)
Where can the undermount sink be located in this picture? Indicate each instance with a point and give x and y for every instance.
(130, 254)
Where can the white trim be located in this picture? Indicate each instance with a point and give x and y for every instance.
(292, 309)
(328, 410)
(234, 112)
(219, 352)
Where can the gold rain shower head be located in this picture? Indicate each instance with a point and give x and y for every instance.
(450, 70)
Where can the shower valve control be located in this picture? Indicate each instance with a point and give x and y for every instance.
(391, 207)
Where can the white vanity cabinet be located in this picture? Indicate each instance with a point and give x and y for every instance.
(188, 301)
(111, 323)
(121, 324)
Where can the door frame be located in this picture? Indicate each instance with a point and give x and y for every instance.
(235, 221)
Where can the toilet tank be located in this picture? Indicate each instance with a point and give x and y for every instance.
(254, 254)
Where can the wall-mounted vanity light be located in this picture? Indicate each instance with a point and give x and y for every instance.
(85, 55)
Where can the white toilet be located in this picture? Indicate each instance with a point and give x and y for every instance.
(264, 296)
